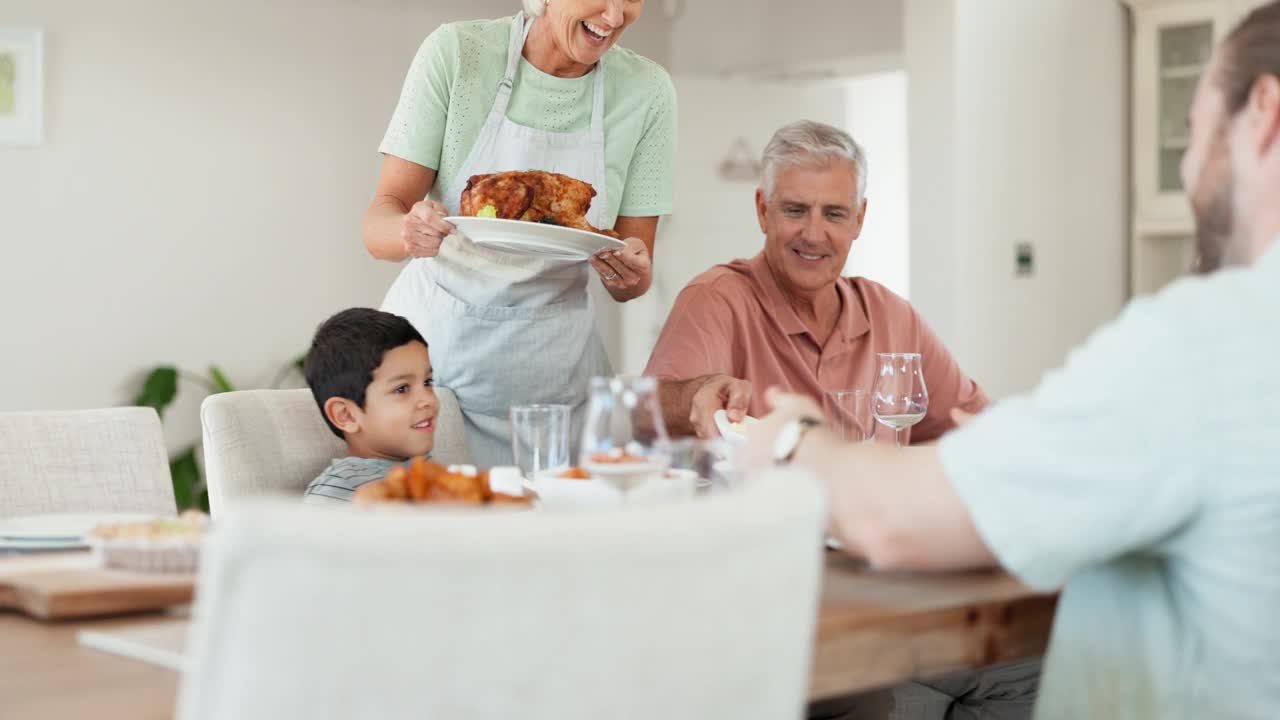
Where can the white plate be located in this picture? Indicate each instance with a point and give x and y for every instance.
(529, 238)
(38, 544)
(61, 526)
(726, 428)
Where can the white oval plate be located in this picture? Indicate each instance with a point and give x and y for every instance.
(61, 526)
(39, 544)
(529, 238)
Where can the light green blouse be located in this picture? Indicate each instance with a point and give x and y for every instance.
(454, 79)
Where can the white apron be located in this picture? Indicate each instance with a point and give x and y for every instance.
(507, 329)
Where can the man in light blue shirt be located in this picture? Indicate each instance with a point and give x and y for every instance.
(1143, 477)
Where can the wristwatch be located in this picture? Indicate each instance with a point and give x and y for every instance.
(788, 440)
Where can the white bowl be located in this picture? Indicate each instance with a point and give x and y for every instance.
(625, 476)
(557, 493)
(727, 429)
(674, 486)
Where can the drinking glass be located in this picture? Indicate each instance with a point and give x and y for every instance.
(540, 437)
(624, 423)
(699, 456)
(849, 413)
(899, 398)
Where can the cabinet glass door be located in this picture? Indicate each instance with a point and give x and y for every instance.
(1184, 52)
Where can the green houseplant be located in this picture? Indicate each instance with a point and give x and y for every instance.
(159, 390)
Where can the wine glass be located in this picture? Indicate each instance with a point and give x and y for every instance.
(624, 436)
(899, 398)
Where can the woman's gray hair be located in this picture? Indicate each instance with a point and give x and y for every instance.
(534, 8)
(811, 143)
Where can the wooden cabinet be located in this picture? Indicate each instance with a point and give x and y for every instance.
(1173, 41)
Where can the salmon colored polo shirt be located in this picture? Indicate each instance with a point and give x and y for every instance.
(735, 320)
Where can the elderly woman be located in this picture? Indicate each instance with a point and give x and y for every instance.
(546, 90)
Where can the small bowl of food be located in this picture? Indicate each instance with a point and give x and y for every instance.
(159, 545)
(574, 489)
(624, 469)
(577, 489)
(670, 486)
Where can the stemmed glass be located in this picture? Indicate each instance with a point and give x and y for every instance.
(899, 398)
(624, 433)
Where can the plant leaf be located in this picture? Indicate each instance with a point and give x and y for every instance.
(159, 389)
(220, 380)
(301, 363)
(187, 482)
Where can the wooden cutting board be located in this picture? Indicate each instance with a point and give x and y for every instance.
(71, 585)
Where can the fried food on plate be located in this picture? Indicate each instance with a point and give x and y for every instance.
(532, 196)
(423, 481)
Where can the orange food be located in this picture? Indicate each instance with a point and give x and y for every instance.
(616, 457)
(575, 473)
(423, 481)
(533, 196)
(504, 499)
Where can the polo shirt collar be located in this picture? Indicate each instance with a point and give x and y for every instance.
(852, 324)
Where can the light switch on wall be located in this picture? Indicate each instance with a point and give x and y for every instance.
(1023, 259)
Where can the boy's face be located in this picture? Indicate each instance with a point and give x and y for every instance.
(398, 420)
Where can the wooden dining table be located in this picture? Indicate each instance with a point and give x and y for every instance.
(874, 630)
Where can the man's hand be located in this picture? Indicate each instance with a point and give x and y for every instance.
(757, 454)
(689, 406)
(718, 392)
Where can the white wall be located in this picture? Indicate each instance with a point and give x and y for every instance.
(719, 36)
(198, 195)
(1018, 134)
(876, 116)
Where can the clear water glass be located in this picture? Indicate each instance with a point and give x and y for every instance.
(849, 414)
(540, 437)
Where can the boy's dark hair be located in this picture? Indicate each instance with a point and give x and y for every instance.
(346, 350)
(1250, 51)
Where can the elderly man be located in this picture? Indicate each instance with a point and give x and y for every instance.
(786, 317)
(1160, 514)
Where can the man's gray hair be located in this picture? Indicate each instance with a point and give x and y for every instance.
(812, 143)
(535, 8)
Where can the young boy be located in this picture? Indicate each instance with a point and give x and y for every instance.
(370, 374)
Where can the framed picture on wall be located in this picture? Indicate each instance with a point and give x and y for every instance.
(21, 85)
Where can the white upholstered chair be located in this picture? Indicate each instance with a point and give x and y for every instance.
(91, 461)
(264, 442)
(702, 609)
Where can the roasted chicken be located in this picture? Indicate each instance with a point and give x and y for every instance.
(533, 196)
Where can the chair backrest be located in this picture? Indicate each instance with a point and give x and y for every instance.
(264, 442)
(110, 460)
(702, 609)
